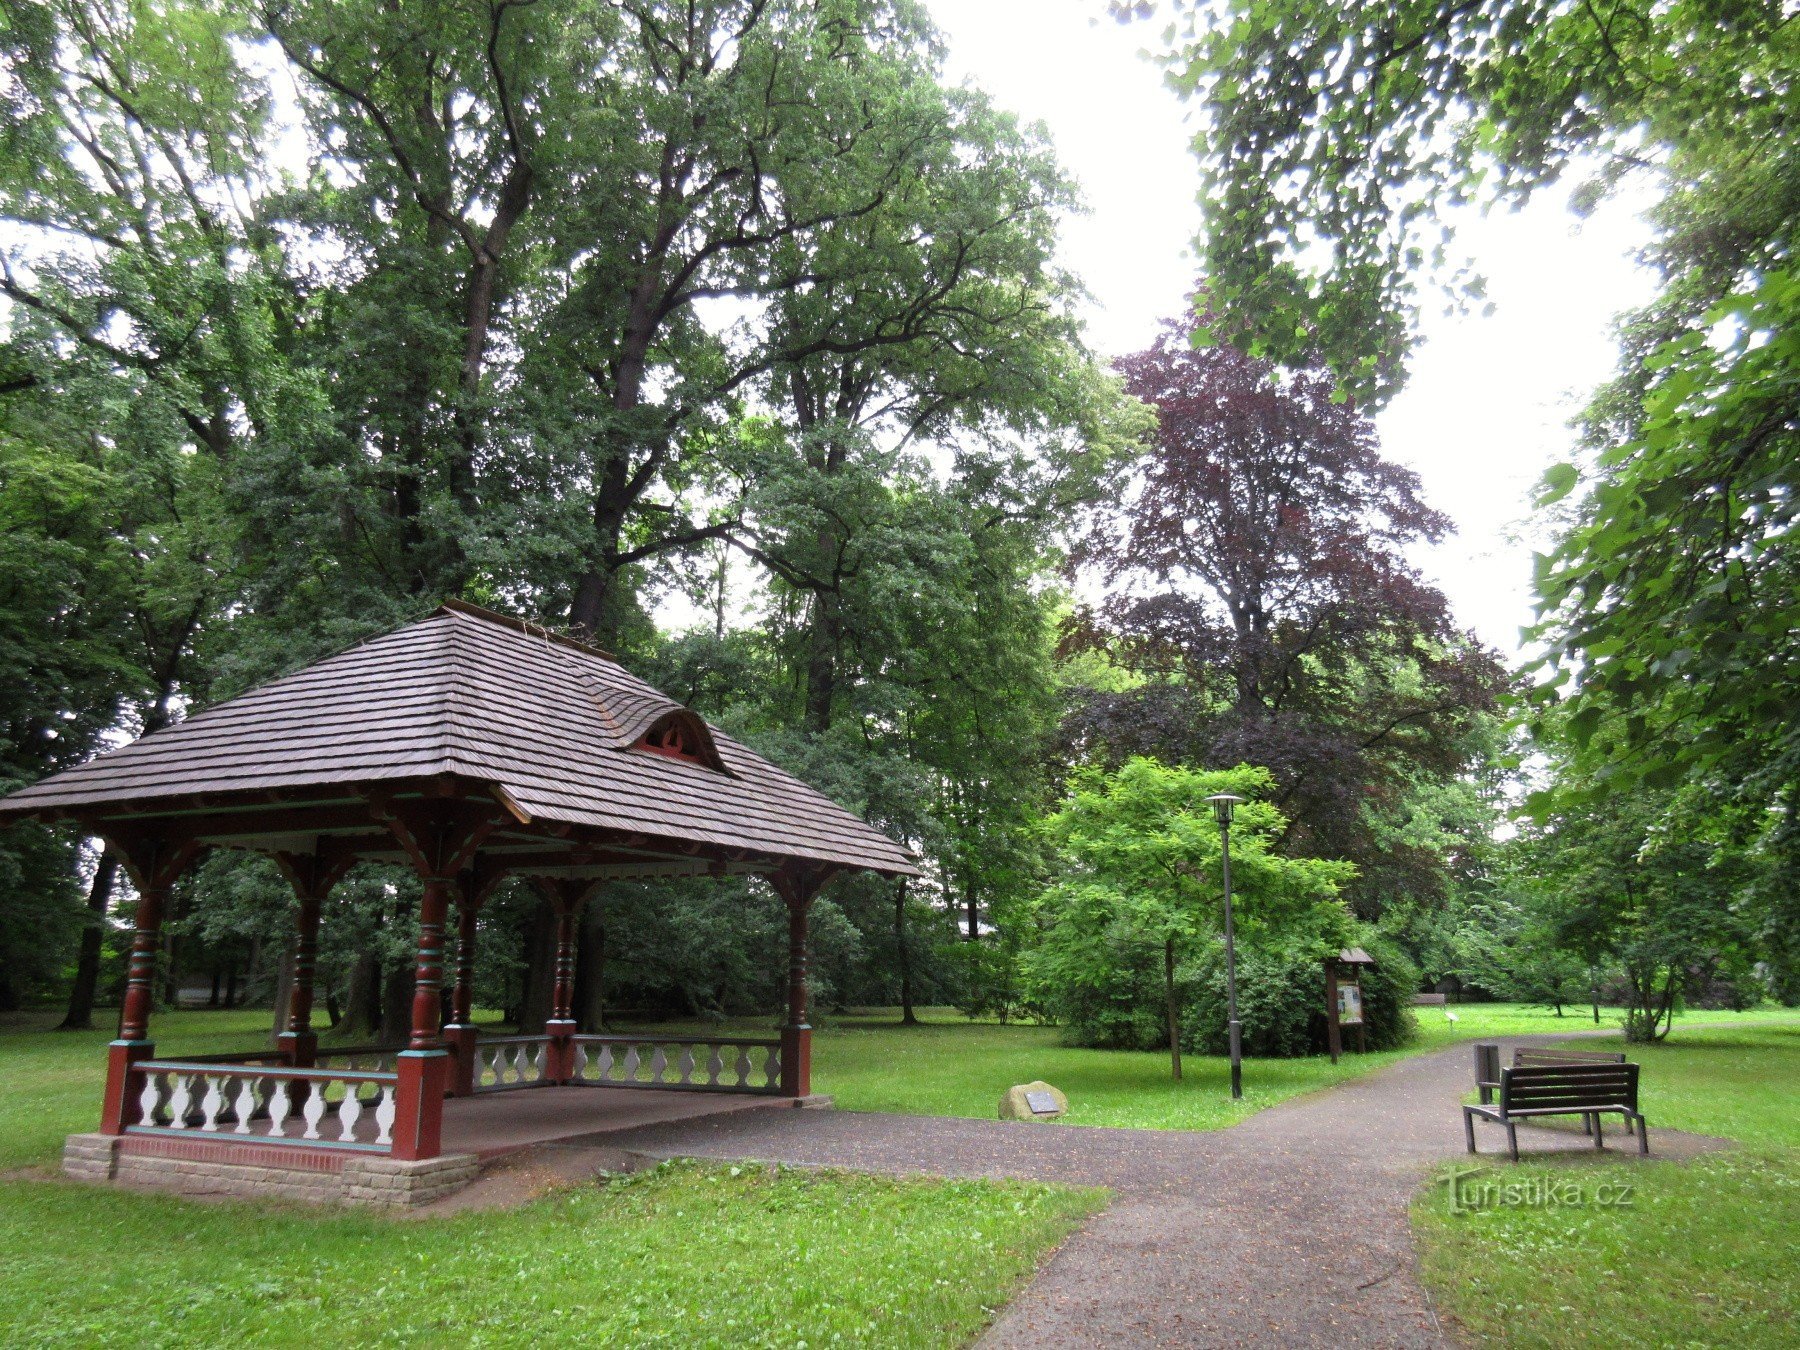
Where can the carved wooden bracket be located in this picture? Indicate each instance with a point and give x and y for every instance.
(440, 838)
(153, 861)
(313, 875)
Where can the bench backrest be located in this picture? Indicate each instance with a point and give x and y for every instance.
(1537, 1058)
(1568, 1087)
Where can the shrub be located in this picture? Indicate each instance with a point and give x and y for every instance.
(1115, 1004)
(1281, 1000)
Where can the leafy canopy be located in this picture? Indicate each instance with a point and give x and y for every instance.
(1140, 852)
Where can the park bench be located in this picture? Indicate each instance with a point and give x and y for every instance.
(1586, 1090)
(1487, 1067)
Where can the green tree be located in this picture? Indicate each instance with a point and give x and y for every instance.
(352, 306)
(1651, 885)
(1139, 863)
(1334, 143)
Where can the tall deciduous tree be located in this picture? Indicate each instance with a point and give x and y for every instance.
(1255, 577)
(531, 301)
(1334, 139)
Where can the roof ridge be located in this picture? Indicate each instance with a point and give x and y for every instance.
(566, 652)
(451, 701)
(470, 693)
(525, 626)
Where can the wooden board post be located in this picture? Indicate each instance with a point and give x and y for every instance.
(1334, 1033)
(561, 1024)
(312, 875)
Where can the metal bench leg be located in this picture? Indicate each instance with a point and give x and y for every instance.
(1512, 1139)
(1599, 1140)
(1469, 1127)
(1587, 1124)
(1643, 1135)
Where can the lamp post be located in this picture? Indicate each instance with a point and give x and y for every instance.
(1222, 805)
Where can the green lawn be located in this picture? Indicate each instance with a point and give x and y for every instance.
(950, 1067)
(868, 1062)
(1703, 1255)
(687, 1255)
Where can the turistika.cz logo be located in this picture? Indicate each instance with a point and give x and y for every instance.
(1475, 1189)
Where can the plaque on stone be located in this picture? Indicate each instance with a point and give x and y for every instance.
(1042, 1103)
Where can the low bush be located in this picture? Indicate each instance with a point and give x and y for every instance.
(1281, 1000)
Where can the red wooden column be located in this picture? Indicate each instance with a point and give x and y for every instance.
(424, 1065)
(566, 896)
(440, 838)
(797, 888)
(312, 878)
(153, 866)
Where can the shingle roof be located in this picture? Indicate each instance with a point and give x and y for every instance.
(474, 694)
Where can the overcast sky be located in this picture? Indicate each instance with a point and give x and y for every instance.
(1489, 399)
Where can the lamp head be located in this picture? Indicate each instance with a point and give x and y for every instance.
(1222, 804)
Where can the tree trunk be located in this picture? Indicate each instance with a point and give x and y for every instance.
(1174, 1008)
(212, 999)
(396, 1003)
(590, 968)
(362, 1007)
(598, 609)
(1666, 1013)
(540, 969)
(904, 952)
(974, 906)
(821, 662)
(80, 1016)
(172, 969)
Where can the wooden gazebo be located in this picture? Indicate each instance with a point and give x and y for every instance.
(472, 747)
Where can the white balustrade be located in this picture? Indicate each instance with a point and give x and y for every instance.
(511, 1062)
(360, 1059)
(720, 1065)
(264, 1103)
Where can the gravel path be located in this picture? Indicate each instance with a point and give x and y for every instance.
(1287, 1230)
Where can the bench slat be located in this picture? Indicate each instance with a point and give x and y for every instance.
(1568, 1088)
(1536, 1059)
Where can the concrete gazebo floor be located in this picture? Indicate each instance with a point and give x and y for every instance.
(492, 1125)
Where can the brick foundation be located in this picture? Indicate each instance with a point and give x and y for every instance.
(220, 1167)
